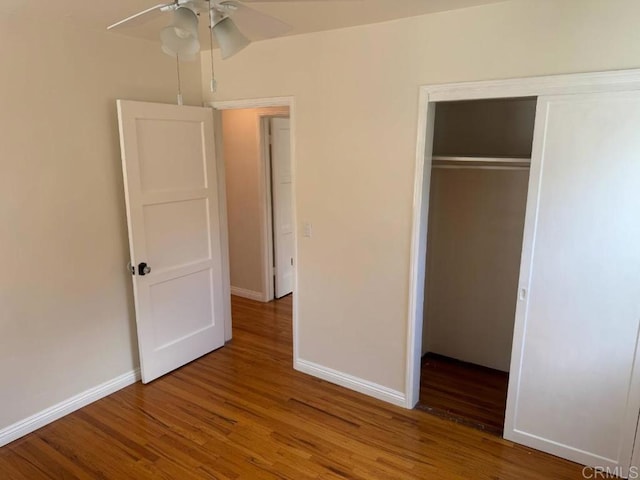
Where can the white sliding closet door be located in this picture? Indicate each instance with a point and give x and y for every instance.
(574, 390)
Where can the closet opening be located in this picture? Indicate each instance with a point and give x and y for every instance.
(477, 200)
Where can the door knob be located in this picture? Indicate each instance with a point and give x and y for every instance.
(143, 269)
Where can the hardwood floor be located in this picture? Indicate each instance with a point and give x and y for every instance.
(242, 412)
(463, 392)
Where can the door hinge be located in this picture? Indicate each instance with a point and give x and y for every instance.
(292, 261)
(275, 271)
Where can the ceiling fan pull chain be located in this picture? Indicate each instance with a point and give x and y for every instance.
(214, 85)
(179, 81)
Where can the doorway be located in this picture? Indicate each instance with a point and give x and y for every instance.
(267, 107)
(478, 193)
(256, 155)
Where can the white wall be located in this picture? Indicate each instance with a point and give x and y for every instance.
(246, 196)
(66, 311)
(356, 94)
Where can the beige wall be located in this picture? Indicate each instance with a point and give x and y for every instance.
(66, 318)
(356, 94)
(245, 183)
(476, 222)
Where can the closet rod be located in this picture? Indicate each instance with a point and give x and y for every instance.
(481, 163)
(482, 167)
(498, 160)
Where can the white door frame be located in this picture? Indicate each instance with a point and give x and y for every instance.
(266, 207)
(224, 225)
(428, 96)
(265, 194)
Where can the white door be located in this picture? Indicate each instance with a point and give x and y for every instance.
(172, 211)
(282, 193)
(574, 390)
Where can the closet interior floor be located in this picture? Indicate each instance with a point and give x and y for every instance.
(463, 392)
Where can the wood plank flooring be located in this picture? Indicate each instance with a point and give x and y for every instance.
(242, 412)
(463, 392)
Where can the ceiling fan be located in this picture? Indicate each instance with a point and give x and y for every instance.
(227, 20)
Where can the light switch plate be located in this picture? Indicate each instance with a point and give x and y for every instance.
(307, 229)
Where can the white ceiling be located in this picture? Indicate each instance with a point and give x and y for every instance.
(304, 15)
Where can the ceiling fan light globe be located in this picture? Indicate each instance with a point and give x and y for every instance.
(181, 33)
(180, 38)
(186, 20)
(229, 38)
(174, 46)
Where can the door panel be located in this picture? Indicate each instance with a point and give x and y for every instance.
(574, 389)
(171, 298)
(157, 139)
(172, 210)
(177, 233)
(282, 192)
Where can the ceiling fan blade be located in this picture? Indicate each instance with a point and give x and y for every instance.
(141, 17)
(255, 24)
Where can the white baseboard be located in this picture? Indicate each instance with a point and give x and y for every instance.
(353, 383)
(250, 294)
(40, 419)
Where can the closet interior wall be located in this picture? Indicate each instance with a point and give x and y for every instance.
(476, 220)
